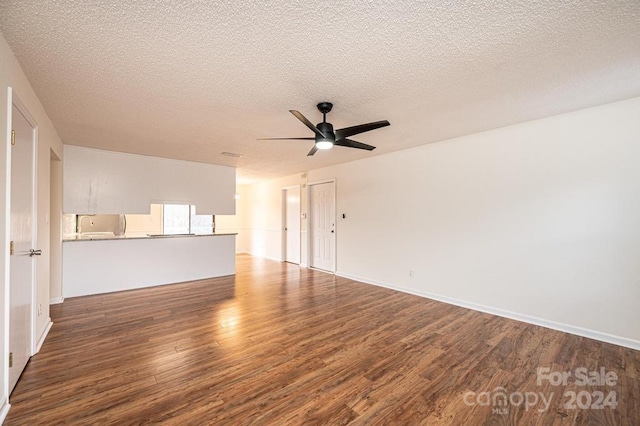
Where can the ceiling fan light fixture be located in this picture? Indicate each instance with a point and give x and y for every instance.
(324, 144)
(325, 137)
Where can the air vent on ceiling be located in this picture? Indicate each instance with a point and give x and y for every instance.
(232, 154)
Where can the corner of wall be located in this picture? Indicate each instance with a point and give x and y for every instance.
(4, 409)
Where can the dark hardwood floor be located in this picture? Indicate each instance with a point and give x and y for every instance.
(278, 345)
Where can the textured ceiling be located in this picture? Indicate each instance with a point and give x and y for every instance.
(190, 80)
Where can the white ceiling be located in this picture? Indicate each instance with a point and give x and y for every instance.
(189, 81)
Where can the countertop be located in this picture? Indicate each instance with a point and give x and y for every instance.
(109, 236)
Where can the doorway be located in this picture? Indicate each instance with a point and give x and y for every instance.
(291, 221)
(23, 238)
(322, 226)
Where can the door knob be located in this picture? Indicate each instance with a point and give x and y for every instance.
(33, 252)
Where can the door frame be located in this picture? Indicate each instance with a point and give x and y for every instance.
(283, 245)
(14, 100)
(310, 220)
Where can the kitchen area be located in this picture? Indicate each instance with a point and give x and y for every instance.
(133, 221)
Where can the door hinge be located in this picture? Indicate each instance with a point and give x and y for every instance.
(10, 359)
(11, 248)
(13, 137)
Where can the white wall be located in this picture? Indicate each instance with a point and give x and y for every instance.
(538, 221)
(236, 223)
(11, 76)
(55, 292)
(97, 181)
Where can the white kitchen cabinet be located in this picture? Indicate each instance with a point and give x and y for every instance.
(106, 182)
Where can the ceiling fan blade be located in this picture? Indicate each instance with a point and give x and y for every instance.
(307, 123)
(286, 139)
(313, 151)
(354, 144)
(350, 131)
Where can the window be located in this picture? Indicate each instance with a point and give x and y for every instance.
(202, 224)
(182, 219)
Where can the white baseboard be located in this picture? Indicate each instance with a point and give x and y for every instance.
(566, 328)
(324, 271)
(4, 409)
(44, 335)
(265, 257)
(56, 300)
(271, 258)
(302, 265)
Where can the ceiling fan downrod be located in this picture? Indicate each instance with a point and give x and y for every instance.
(324, 108)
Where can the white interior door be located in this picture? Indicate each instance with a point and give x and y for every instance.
(292, 224)
(22, 235)
(322, 226)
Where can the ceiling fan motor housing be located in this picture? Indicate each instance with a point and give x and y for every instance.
(327, 130)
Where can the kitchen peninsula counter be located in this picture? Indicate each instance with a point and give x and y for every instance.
(96, 236)
(96, 263)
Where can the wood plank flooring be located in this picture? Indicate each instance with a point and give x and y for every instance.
(278, 345)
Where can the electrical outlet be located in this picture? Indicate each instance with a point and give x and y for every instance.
(410, 273)
(39, 309)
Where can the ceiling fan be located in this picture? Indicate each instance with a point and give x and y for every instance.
(325, 137)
